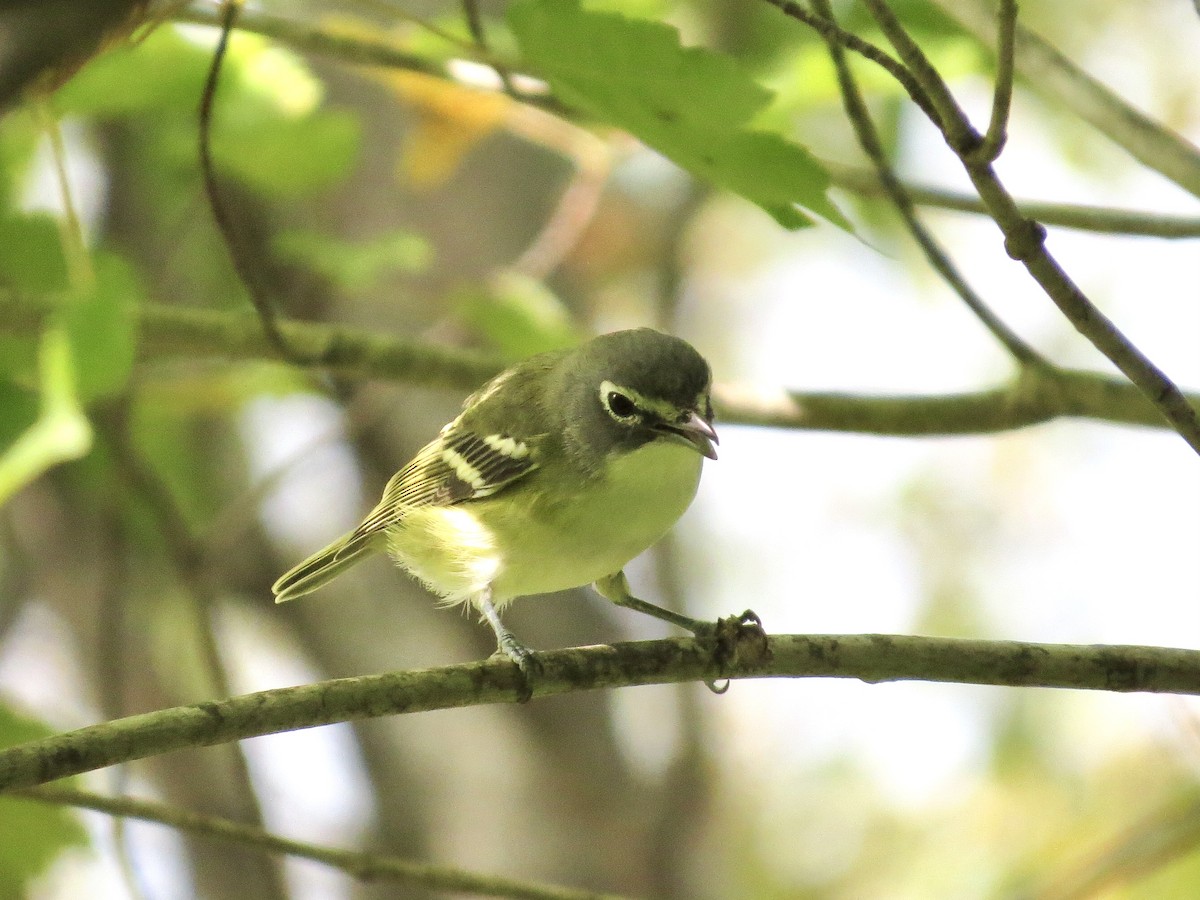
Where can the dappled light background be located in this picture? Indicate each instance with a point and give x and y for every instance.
(1072, 531)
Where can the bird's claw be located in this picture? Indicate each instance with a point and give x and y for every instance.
(529, 666)
(735, 640)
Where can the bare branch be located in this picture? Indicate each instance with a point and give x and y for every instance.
(1024, 241)
(1099, 219)
(993, 141)
(171, 332)
(1051, 74)
(831, 31)
(247, 271)
(939, 260)
(363, 866)
(747, 653)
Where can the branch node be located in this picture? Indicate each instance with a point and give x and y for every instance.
(1023, 241)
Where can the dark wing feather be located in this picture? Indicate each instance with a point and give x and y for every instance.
(458, 466)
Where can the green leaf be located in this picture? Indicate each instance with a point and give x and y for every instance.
(18, 138)
(18, 410)
(102, 329)
(31, 255)
(164, 71)
(34, 834)
(518, 316)
(61, 432)
(354, 266)
(691, 104)
(282, 156)
(267, 129)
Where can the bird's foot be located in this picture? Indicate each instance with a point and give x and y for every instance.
(735, 640)
(529, 666)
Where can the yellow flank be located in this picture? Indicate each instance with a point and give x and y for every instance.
(448, 549)
(583, 535)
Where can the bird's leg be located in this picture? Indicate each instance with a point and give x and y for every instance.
(724, 632)
(506, 643)
(616, 588)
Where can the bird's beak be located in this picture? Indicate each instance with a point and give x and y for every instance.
(699, 433)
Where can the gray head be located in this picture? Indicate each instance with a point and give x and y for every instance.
(628, 388)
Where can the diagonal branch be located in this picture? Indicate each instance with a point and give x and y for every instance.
(939, 260)
(1024, 240)
(363, 866)
(831, 31)
(1044, 69)
(747, 653)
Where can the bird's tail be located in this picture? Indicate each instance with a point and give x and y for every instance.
(321, 567)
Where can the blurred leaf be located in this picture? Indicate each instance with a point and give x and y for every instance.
(18, 409)
(61, 431)
(31, 255)
(355, 266)
(34, 834)
(18, 358)
(451, 121)
(102, 329)
(188, 453)
(267, 128)
(517, 316)
(691, 104)
(164, 71)
(18, 137)
(287, 157)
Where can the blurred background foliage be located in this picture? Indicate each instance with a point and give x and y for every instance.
(149, 500)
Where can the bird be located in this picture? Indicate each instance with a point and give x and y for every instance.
(557, 473)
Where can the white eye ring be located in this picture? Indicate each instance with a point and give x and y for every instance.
(619, 404)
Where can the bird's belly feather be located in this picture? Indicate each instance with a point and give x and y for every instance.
(553, 546)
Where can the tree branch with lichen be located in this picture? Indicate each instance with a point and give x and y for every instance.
(1034, 397)
(734, 652)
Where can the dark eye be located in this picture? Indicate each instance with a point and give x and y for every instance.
(620, 405)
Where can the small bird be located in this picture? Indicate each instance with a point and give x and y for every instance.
(558, 472)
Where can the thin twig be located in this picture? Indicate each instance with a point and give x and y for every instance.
(950, 119)
(832, 31)
(1045, 70)
(246, 269)
(475, 23)
(575, 209)
(1097, 219)
(1024, 241)
(1149, 845)
(363, 866)
(82, 275)
(868, 138)
(997, 132)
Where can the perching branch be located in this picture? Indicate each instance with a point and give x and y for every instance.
(363, 866)
(747, 653)
(170, 332)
